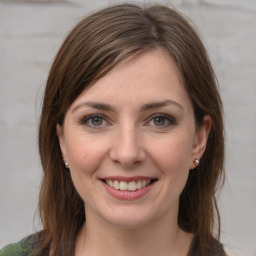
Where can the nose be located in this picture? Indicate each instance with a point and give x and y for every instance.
(127, 149)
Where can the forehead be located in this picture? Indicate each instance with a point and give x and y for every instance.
(147, 76)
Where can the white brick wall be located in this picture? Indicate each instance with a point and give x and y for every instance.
(30, 34)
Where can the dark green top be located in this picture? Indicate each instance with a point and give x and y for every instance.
(22, 248)
(26, 246)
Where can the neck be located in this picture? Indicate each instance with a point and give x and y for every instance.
(97, 238)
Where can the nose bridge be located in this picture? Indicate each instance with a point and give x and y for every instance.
(127, 148)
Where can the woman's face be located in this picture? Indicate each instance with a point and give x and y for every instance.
(130, 141)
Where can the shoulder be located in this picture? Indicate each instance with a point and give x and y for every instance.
(22, 248)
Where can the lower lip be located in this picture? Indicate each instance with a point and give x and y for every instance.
(128, 195)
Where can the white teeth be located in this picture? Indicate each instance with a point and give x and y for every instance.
(123, 185)
(139, 184)
(130, 186)
(116, 184)
(111, 183)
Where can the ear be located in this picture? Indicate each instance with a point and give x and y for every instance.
(200, 140)
(60, 134)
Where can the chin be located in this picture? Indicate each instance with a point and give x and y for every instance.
(128, 224)
(129, 218)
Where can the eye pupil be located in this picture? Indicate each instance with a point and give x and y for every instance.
(97, 121)
(159, 121)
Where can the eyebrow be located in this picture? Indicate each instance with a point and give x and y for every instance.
(97, 105)
(160, 104)
(146, 107)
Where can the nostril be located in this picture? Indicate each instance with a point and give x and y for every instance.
(126, 149)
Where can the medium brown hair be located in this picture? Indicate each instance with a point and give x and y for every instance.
(94, 47)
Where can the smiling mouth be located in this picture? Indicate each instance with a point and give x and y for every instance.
(128, 186)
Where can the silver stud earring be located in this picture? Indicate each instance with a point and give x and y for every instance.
(196, 162)
(66, 163)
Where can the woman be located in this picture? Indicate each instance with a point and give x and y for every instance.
(131, 140)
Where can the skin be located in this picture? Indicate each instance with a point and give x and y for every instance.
(131, 139)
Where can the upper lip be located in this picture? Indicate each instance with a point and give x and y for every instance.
(128, 179)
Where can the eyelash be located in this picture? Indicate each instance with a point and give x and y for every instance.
(171, 121)
(85, 120)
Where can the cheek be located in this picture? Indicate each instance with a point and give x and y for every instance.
(172, 154)
(85, 153)
(85, 156)
(172, 158)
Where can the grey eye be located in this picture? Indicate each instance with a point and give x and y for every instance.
(96, 121)
(159, 121)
